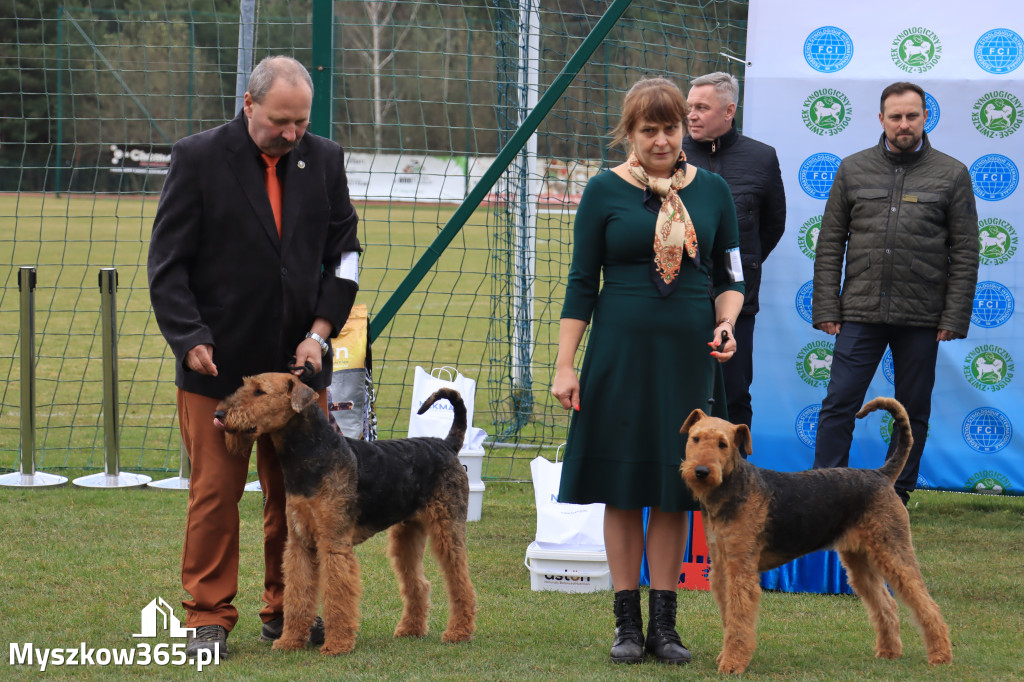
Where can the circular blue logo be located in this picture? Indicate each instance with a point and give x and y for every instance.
(804, 298)
(817, 173)
(993, 305)
(932, 105)
(998, 51)
(807, 425)
(828, 49)
(888, 369)
(987, 430)
(994, 177)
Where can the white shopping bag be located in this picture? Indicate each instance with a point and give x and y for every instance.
(437, 421)
(578, 525)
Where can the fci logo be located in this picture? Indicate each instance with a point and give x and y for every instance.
(987, 430)
(817, 173)
(807, 425)
(999, 51)
(828, 49)
(994, 177)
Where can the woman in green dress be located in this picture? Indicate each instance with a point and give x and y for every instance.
(662, 236)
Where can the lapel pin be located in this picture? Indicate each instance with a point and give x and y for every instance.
(302, 164)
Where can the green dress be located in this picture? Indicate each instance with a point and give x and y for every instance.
(647, 363)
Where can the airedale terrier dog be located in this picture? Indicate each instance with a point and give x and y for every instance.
(756, 519)
(342, 491)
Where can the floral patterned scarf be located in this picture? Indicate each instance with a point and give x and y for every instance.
(674, 230)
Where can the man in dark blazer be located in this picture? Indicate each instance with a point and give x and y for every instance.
(237, 291)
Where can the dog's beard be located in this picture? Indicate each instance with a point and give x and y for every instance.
(239, 444)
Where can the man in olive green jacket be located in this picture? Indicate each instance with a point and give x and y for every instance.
(903, 214)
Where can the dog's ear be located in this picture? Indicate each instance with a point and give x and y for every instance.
(741, 434)
(694, 417)
(302, 395)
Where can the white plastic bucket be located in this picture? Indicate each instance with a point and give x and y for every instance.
(567, 570)
(472, 459)
(476, 500)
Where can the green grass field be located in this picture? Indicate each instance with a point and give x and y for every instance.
(78, 566)
(453, 318)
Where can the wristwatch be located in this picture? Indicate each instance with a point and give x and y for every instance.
(324, 348)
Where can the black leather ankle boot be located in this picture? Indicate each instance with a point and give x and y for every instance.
(629, 628)
(662, 639)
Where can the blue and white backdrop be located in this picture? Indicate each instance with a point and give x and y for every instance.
(815, 72)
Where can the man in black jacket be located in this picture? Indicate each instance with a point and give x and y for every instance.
(252, 268)
(752, 170)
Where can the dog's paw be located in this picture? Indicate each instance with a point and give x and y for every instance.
(456, 636)
(940, 658)
(731, 664)
(732, 668)
(283, 644)
(404, 630)
(891, 651)
(335, 648)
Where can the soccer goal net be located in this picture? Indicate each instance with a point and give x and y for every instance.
(430, 99)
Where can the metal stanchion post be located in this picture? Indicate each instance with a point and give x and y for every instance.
(112, 476)
(179, 482)
(27, 476)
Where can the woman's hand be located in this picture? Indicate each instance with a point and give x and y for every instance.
(566, 387)
(723, 351)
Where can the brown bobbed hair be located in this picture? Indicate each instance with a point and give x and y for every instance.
(657, 100)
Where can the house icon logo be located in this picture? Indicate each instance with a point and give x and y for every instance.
(158, 615)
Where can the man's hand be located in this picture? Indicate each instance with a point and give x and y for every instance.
(831, 328)
(308, 351)
(946, 335)
(200, 360)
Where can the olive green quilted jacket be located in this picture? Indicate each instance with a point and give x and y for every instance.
(907, 227)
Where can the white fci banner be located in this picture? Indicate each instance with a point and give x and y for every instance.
(813, 81)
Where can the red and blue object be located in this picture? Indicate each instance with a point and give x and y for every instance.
(816, 573)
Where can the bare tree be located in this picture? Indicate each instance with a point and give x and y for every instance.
(380, 15)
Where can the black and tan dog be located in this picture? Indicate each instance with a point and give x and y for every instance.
(341, 492)
(756, 519)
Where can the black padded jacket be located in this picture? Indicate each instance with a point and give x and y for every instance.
(751, 169)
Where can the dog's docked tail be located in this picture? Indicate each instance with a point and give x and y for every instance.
(900, 432)
(457, 434)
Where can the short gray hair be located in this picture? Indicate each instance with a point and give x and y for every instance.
(270, 69)
(725, 84)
